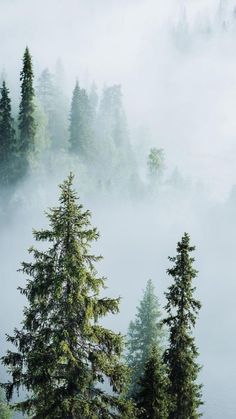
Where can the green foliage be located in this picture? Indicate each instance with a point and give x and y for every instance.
(54, 103)
(80, 124)
(46, 98)
(155, 164)
(63, 354)
(144, 332)
(27, 124)
(5, 412)
(8, 174)
(180, 357)
(42, 140)
(152, 396)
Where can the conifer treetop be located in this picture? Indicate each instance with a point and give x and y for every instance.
(152, 396)
(181, 355)
(63, 354)
(145, 331)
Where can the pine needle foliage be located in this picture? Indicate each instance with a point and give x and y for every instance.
(152, 396)
(180, 357)
(144, 332)
(8, 165)
(80, 124)
(63, 354)
(27, 125)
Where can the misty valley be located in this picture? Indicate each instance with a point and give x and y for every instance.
(117, 204)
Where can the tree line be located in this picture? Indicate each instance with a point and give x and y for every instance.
(68, 364)
(92, 132)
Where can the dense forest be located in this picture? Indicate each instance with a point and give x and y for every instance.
(65, 363)
(89, 135)
(134, 133)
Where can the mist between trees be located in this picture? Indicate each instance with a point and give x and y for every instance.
(142, 207)
(63, 356)
(64, 360)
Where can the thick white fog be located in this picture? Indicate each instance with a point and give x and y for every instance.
(176, 63)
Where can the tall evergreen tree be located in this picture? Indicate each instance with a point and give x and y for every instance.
(80, 123)
(74, 118)
(115, 159)
(63, 355)
(113, 115)
(61, 109)
(46, 96)
(143, 333)
(50, 92)
(27, 124)
(180, 357)
(152, 396)
(7, 140)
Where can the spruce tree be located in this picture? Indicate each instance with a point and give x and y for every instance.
(7, 140)
(180, 357)
(61, 109)
(115, 158)
(152, 396)
(46, 95)
(80, 123)
(27, 124)
(63, 354)
(144, 332)
(74, 118)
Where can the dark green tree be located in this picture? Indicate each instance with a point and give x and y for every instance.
(144, 332)
(63, 354)
(7, 140)
(80, 123)
(152, 396)
(27, 126)
(180, 357)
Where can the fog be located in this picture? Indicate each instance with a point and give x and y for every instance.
(176, 63)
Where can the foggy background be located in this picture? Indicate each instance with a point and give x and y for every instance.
(176, 62)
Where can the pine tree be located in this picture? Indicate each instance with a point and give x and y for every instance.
(74, 118)
(180, 357)
(143, 333)
(54, 103)
(27, 124)
(61, 109)
(115, 158)
(7, 140)
(63, 355)
(152, 396)
(80, 123)
(46, 96)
